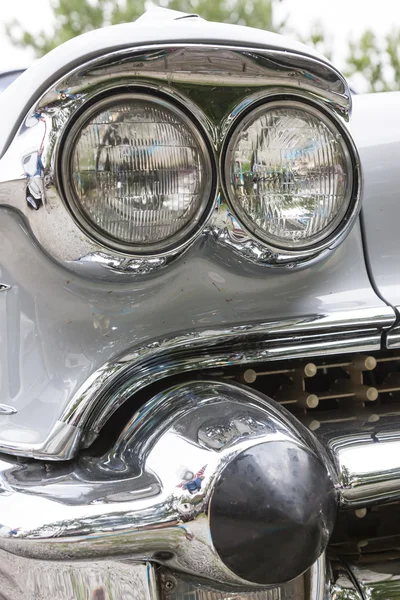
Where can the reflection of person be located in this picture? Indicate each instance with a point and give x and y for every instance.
(194, 485)
(192, 482)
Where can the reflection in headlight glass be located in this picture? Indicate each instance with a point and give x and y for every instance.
(289, 175)
(139, 171)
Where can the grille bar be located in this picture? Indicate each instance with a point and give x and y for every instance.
(357, 381)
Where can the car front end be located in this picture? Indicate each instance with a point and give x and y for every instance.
(199, 364)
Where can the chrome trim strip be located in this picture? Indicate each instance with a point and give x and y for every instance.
(393, 340)
(7, 410)
(181, 73)
(178, 586)
(61, 444)
(112, 385)
(152, 582)
(365, 447)
(393, 336)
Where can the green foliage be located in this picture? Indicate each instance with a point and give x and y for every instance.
(375, 61)
(319, 40)
(73, 17)
(378, 62)
(254, 13)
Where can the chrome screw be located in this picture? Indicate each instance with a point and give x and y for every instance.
(169, 585)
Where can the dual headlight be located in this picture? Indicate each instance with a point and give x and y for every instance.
(139, 176)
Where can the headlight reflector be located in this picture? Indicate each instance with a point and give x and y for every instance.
(289, 174)
(139, 173)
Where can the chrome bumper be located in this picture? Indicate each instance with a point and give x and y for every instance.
(29, 579)
(156, 496)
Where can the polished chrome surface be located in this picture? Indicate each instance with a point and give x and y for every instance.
(154, 27)
(175, 586)
(215, 83)
(248, 343)
(4, 287)
(393, 337)
(369, 468)
(7, 410)
(29, 579)
(367, 454)
(136, 501)
(115, 383)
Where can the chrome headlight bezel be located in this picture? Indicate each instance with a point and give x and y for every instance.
(214, 85)
(303, 101)
(183, 236)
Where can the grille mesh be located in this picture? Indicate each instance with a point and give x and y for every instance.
(321, 390)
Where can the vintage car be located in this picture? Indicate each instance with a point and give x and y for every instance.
(199, 339)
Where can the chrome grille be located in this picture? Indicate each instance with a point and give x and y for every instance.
(325, 389)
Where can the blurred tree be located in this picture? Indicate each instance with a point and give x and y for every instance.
(377, 61)
(316, 37)
(371, 61)
(73, 17)
(319, 39)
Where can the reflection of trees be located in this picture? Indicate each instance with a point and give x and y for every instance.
(142, 160)
(224, 98)
(282, 175)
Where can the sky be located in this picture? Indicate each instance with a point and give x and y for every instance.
(341, 19)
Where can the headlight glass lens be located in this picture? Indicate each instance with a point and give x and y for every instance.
(140, 173)
(289, 174)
